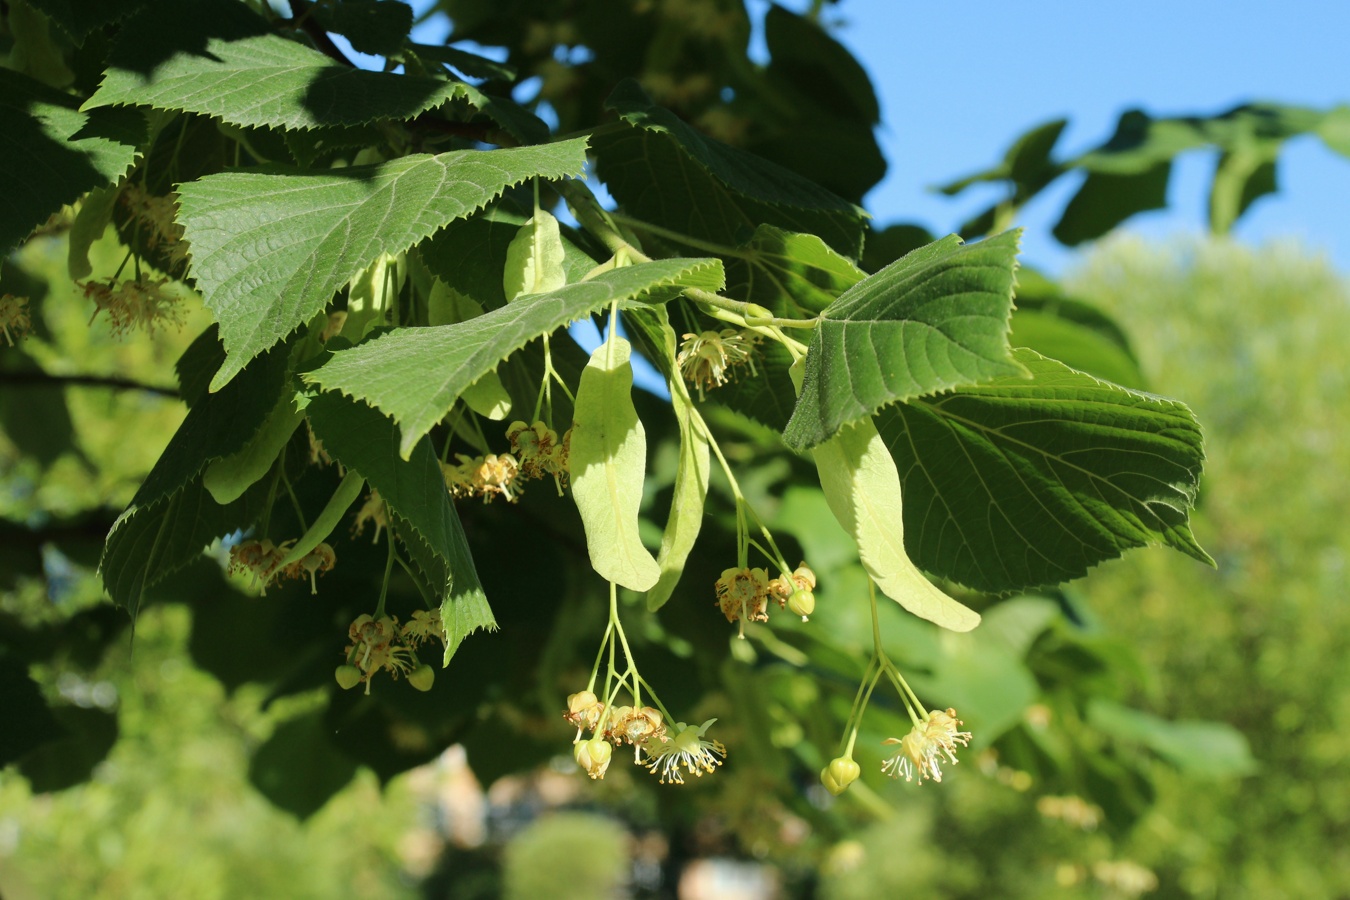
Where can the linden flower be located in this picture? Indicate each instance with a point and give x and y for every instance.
(583, 711)
(320, 559)
(638, 727)
(141, 302)
(423, 626)
(921, 750)
(375, 646)
(796, 590)
(14, 319)
(539, 451)
(594, 756)
(707, 358)
(373, 511)
(258, 558)
(482, 475)
(687, 748)
(743, 594)
(158, 214)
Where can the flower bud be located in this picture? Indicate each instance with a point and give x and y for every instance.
(347, 677)
(830, 784)
(593, 756)
(422, 677)
(844, 771)
(802, 603)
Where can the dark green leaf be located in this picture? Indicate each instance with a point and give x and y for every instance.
(269, 251)
(1106, 199)
(662, 170)
(372, 26)
(416, 374)
(1018, 483)
(70, 760)
(793, 275)
(934, 320)
(41, 130)
(79, 17)
(29, 723)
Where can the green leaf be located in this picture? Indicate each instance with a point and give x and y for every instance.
(608, 462)
(416, 374)
(690, 490)
(1208, 750)
(41, 130)
(862, 488)
(269, 251)
(707, 189)
(1108, 198)
(90, 222)
(229, 477)
(1022, 483)
(469, 64)
(371, 26)
(534, 258)
(79, 17)
(933, 320)
(217, 58)
(790, 274)
(1244, 175)
(366, 442)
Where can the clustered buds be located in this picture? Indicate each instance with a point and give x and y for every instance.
(14, 319)
(382, 644)
(743, 594)
(142, 302)
(709, 358)
(644, 727)
(262, 560)
(922, 749)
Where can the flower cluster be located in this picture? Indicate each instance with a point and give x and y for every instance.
(140, 302)
(487, 476)
(923, 748)
(14, 319)
(655, 747)
(707, 359)
(382, 644)
(262, 560)
(743, 594)
(540, 451)
(157, 215)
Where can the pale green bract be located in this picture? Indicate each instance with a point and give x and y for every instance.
(534, 259)
(862, 488)
(228, 478)
(608, 462)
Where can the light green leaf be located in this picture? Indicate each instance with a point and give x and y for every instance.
(534, 258)
(690, 490)
(217, 58)
(608, 461)
(1020, 483)
(416, 374)
(423, 518)
(488, 395)
(269, 251)
(1075, 344)
(862, 488)
(707, 189)
(933, 320)
(1208, 750)
(41, 131)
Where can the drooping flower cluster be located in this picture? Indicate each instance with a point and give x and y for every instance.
(141, 302)
(382, 644)
(492, 475)
(644, 728)
(262, 560)
(155, 218)
(708, 359)
(540, 451)
(14, 319)
(923, 748)
(743, 594)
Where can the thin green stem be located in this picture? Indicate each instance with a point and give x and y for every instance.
(388, 569)
(687, 240)
(295, 501)
(623, 639)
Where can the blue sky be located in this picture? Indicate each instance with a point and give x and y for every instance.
(957, 82)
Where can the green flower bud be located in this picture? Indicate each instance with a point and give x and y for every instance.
(422, 677)
(844, 771)
(347, 677)
(830, 784)
(803, 603)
